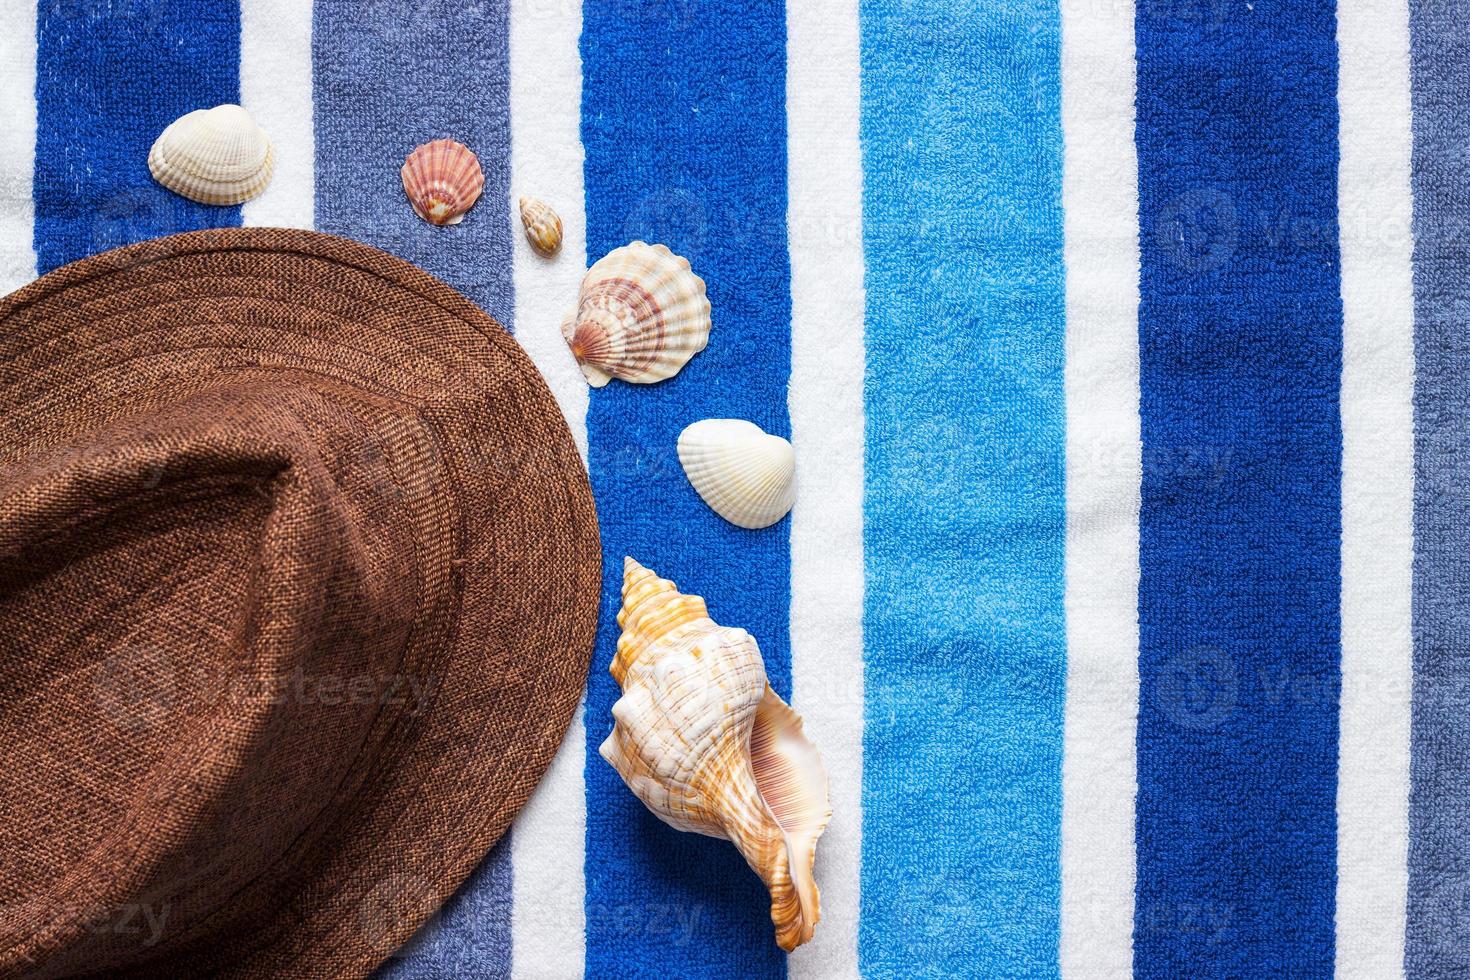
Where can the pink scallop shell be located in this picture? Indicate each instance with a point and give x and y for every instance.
(443, 180)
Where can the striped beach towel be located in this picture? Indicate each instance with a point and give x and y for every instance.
(1125, 347)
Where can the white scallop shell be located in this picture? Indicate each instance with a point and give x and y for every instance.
(213, 156)
(641, 315)
(746, 476)
(702, 739)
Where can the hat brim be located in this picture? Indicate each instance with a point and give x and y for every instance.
(527, 577)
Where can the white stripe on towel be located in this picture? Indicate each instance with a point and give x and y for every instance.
(549, 838)
(1375, 205)
(1104, 470)
(18, 146)
(823, 84)
(275, 87)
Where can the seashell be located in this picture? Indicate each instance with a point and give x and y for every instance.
(703, 741)
(543, 226)
(443, 180)
(745, 475)
(641, 315)
(213, 156)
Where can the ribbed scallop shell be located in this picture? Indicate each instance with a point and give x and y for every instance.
(745, 475)
(703, 741)
(542, 224)
(443, 180)
(213, 156)
(641, 315)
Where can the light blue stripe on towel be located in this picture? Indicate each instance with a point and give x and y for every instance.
(684, 124)
(109, 78)
(387, 77)
(965, 522)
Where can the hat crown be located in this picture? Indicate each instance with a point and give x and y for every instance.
(299, 576)
(239, 601)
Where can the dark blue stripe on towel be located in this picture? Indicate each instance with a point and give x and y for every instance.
(387, 77)
(1240, 354)
(1437, 939)
(684, 123)
(109, 78)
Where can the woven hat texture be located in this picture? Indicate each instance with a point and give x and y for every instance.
(298, 581)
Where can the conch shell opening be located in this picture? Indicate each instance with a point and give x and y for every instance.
(702, 739)
(785, 765)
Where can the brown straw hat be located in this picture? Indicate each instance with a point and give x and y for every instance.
(298, 580)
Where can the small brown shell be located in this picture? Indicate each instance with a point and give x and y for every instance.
(443, 180)
(543, 226)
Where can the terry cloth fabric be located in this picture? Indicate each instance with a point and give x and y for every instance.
(1121, 347)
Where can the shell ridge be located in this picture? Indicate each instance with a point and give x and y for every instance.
(744, 474)
(442, 180)
(236, 161)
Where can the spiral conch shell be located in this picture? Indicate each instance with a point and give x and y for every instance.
(641, 315)
(705, 743)
(213, 156)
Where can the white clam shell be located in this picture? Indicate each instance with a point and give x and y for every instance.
(213, 156)
(641, 314)
(746, 476)
(702, 739)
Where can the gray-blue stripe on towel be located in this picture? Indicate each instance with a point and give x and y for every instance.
(1437, 941)
(386, 77)
(389, 76)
